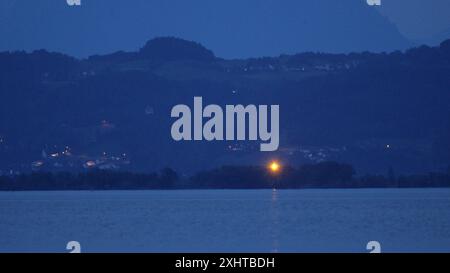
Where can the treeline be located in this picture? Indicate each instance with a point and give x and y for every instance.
(92, 180)
(321, 175)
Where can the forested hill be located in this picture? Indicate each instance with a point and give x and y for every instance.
(374, 111)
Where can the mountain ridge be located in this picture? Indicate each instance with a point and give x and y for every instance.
(372, 110)
(233, 29)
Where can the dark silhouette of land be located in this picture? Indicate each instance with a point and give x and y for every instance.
(321, 175)
(112, 112)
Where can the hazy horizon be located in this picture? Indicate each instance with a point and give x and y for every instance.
(256, 28)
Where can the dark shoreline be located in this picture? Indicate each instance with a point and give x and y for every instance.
(325, 175)
(216, 189)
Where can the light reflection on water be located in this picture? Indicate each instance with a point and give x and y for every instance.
(275, 217)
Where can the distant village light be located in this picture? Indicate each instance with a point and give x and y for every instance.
(37, 164)
(89, 164)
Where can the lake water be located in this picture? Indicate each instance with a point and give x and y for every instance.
(410, 220)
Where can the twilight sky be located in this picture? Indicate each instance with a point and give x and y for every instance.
(419, 20)
(231, 28)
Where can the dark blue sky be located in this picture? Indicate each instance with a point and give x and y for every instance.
(232, 28)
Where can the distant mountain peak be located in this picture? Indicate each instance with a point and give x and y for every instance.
(171, 48)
